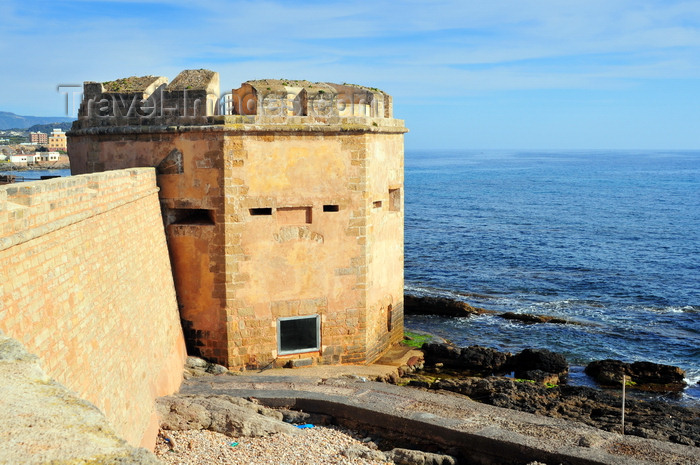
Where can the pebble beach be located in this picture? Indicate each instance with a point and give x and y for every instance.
(319, 445)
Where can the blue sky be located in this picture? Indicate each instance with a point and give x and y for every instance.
(524, 74)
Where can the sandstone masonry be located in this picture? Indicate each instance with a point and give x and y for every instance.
(283, 207)
(43, 422)
(86, 286)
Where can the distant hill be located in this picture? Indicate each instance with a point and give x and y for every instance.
(47, 128)
(12, 121)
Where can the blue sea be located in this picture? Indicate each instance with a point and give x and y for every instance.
(35, 175)
(610, 239)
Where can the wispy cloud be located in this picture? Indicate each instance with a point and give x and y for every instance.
(416, 50)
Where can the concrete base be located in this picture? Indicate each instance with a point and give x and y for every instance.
(477, 433)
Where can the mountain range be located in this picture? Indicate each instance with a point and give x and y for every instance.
(12, 121)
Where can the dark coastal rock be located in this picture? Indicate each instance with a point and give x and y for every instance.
(541, 377)
(530, 318)
(655, 373)
(642, 375)
(438, 352)
(441, 306)
(540, 365)
(483, 360)
(501, 392)
(536, 363)
(535, 389)
(472, 359)
(607, 372)
(649, 419)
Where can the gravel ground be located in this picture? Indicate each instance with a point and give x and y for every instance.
(319, 445)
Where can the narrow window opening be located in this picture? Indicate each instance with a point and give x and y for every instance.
(260, 211)
(298, 334)
(389, 318)
(190, 216)
(395, 200)
(331, 208)
(377, 204)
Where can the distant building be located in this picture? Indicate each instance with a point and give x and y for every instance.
(57, 141)
(40, 157)
(38, 138)
(19, 159)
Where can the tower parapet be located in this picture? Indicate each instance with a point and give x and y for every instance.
(281, 97)
(283, 208)
(189, 99)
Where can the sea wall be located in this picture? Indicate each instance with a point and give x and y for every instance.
(87, 286)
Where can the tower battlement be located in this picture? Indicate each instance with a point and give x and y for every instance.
(194, 98)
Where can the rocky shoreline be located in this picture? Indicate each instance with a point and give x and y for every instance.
(40, 166)
(535, 381)
(442, 306)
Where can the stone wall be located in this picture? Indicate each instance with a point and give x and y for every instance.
(325, 244)
(87, 286)
(385, 243)
(192, 197)
(268, 220)
(43, 422)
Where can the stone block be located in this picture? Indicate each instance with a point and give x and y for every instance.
(300, 362)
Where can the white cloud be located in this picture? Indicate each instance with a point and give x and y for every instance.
(436, 48)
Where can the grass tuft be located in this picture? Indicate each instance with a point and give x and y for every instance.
(415, 340)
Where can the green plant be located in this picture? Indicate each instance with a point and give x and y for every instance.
(415, 340)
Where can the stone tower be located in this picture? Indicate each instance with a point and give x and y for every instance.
(282, 203)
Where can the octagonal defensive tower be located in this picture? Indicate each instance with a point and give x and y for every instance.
(282, 203)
